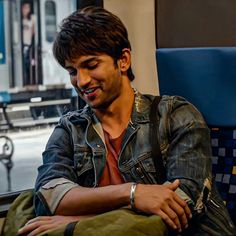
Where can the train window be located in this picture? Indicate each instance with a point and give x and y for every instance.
(2, 43)
(50, 20)
(34, 90)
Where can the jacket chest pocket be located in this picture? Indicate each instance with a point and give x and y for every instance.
(141, 170)
(83, 165)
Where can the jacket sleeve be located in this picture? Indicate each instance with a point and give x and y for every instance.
(187, 148)
(56, 175)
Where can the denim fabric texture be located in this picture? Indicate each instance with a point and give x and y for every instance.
(77, 152)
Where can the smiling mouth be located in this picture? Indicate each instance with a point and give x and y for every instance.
(89, 91)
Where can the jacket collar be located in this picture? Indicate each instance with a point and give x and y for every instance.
(140, 113)
(141, 108)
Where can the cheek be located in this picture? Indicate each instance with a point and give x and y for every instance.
(96, 74)
(104, 72)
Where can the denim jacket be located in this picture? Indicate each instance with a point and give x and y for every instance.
(76, 154)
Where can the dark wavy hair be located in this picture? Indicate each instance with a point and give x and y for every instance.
(91, 31)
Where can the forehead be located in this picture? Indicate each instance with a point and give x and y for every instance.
(86, 59)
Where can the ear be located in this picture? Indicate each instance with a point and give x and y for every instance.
(124, 61)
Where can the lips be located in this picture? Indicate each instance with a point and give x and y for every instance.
(91, 92)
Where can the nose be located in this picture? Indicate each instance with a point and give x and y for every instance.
(83, 78)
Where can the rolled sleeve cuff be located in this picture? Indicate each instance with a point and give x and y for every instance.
(54, 191)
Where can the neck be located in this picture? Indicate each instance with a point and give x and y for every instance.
(116, 117)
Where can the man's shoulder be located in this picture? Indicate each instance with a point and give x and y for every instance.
(173, 101)
(179, 109)
(76, 116)
(172, 105)
(168, 101)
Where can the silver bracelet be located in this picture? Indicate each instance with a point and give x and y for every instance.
(132, 192)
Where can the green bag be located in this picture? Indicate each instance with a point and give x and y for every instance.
(116, 223)
(19, 213)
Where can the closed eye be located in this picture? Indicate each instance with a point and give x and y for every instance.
(92, 66)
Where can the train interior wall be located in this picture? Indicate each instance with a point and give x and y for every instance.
(139, 18)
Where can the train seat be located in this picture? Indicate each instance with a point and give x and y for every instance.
(207, 78)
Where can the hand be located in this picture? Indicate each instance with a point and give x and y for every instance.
(163, 201)
(43, 223)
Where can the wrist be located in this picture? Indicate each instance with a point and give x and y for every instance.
(132, 196)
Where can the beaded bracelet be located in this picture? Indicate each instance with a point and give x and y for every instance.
(132, 192)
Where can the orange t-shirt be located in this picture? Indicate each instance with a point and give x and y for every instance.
(111, 174)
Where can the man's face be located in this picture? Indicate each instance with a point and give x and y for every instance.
(96, 78)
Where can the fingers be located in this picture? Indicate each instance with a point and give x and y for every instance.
(184, 206)
(39, 218)
(179, 206)
(42, 229)
(181, 210)
(164, 201)
(165, 217)
(178, 215)
(173, 186)
(37, 225)
(174, 215)
(31, 229)
(43, 223)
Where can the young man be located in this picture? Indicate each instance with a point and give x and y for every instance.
(98, 159)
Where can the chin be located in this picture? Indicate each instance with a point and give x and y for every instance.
(100, 106)
(101, 103)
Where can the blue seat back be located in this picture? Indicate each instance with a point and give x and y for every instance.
(205, 76)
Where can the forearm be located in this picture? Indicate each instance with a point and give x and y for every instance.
(84, 201)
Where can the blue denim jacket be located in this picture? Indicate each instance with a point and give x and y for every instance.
(76, 154)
